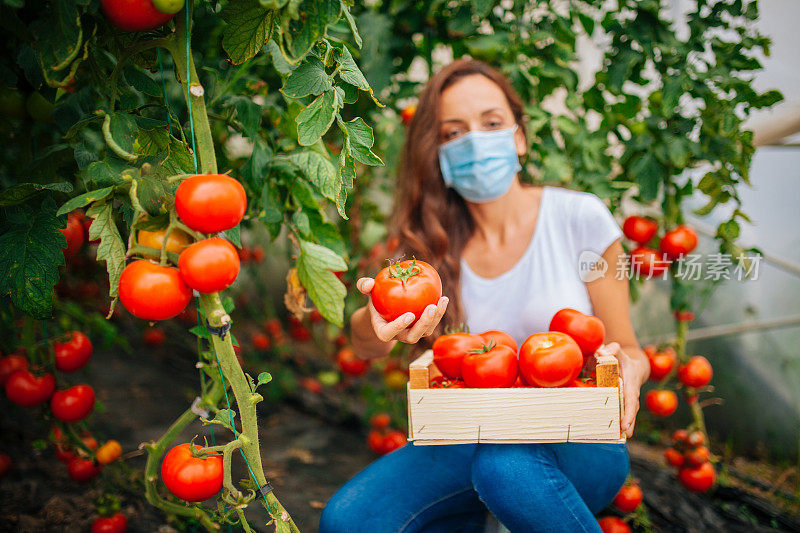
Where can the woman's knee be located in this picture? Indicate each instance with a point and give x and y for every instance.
(340, 513)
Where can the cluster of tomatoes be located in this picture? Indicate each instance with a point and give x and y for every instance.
(382, 439)
(692, 458)
(207, 203)
(492, 360)
(646, 260)
(627, 500)
(695, 374)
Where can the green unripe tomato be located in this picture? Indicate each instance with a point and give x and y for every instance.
(12, 103)
(39, 108)
(169, 6)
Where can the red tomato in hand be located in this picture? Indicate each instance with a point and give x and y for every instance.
(28, 390)
(550, 359)
(82, 470)
(639, 229)
(648, 262)
(697, 372)
(406, 287)
(661, 364)
(74, 353)
(674, 457)
(210, 203)
(153, 292)
(9, 365)
(194, 479)
(350, 364)
(628, 498)
(449, 351)
(210, 265)
(587, 330)
(661, 402)
(134, 15)
(116, 523)
(698, 478)
(678, 242)
(494, 368)
(499, 337)
(73, 404)
(612, 524)
(74, 234)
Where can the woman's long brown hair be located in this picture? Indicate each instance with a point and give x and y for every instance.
(432, 220)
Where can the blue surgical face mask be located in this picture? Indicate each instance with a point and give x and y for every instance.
(480, 165)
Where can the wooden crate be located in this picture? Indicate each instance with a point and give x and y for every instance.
(516, 415)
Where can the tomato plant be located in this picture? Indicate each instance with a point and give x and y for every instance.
(210, 265)
(189, 477)
(628, 498)
(587, 330)
(406, 287)
(550, 359)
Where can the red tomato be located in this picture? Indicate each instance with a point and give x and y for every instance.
(582, 383)
(340, 340)
(258, 254)
(210, 265)
(244, 254)
(298, 331)
(661, 402)
(639, 229)
(176, 243)
(628, 498)
(194, 479)
(392, 440)
(441, 382)
(680, 435)
(73, 404)
(5, 464)
(9, 365)
(406, 287)
(550, 359)
(674, 457)
(678, 242)
(587, 330)
(684, 316)
(134, 15)
(210, 203)
(350, 364)
(108, 452)
(117, 523)
(154, 337)
(74, 353)
(82, 470)
(273, 327)
(260, 341)
(28, 390)
(697, 456)
(153, 292)
(311, 384)
(375, 441)
(661, 364)
(494, 368)
(315, 316)
(648, 262)
(449, 351)
(698, 478)
(380, 420)
(612, 524)
(407, 114)
(74, 234)
(188, 316)
(499, 337)
(696, 438)
(696, 373)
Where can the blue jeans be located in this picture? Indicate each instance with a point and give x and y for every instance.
(438, 489)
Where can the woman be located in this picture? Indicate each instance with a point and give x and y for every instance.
(508, 255)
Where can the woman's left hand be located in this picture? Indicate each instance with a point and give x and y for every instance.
(634, 372)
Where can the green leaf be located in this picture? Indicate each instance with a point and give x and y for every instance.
(30, 254)
(25, 191)
(347, 175)
(300, 220)
(248, 29)
(361, 141)
(648, 173)
(308, 78)
(349, 71)
(315, 268)
(111, 248)
(318, 170)
(316, 118)
(270, 206)
(152, 194)
(200, 331)
(223, 417)
(351, 23)
(278, 61)
(263, 378)
(84, 199)
(234, 235)
(302, 34)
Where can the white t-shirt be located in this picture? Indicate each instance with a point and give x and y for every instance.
(522, 300)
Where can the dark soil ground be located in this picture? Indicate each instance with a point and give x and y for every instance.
(306, 457)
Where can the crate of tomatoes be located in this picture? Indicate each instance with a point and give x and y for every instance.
(558, 386)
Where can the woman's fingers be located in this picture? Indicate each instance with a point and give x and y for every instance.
(387, 331)
(630, 392)
(365, 285)
(441, 307)
(631, 395)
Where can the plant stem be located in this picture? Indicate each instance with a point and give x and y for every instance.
(246, 400)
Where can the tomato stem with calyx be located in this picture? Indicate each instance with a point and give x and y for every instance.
(484, 348)
(404, 274)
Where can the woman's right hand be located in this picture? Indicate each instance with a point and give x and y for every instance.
(399, 329)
